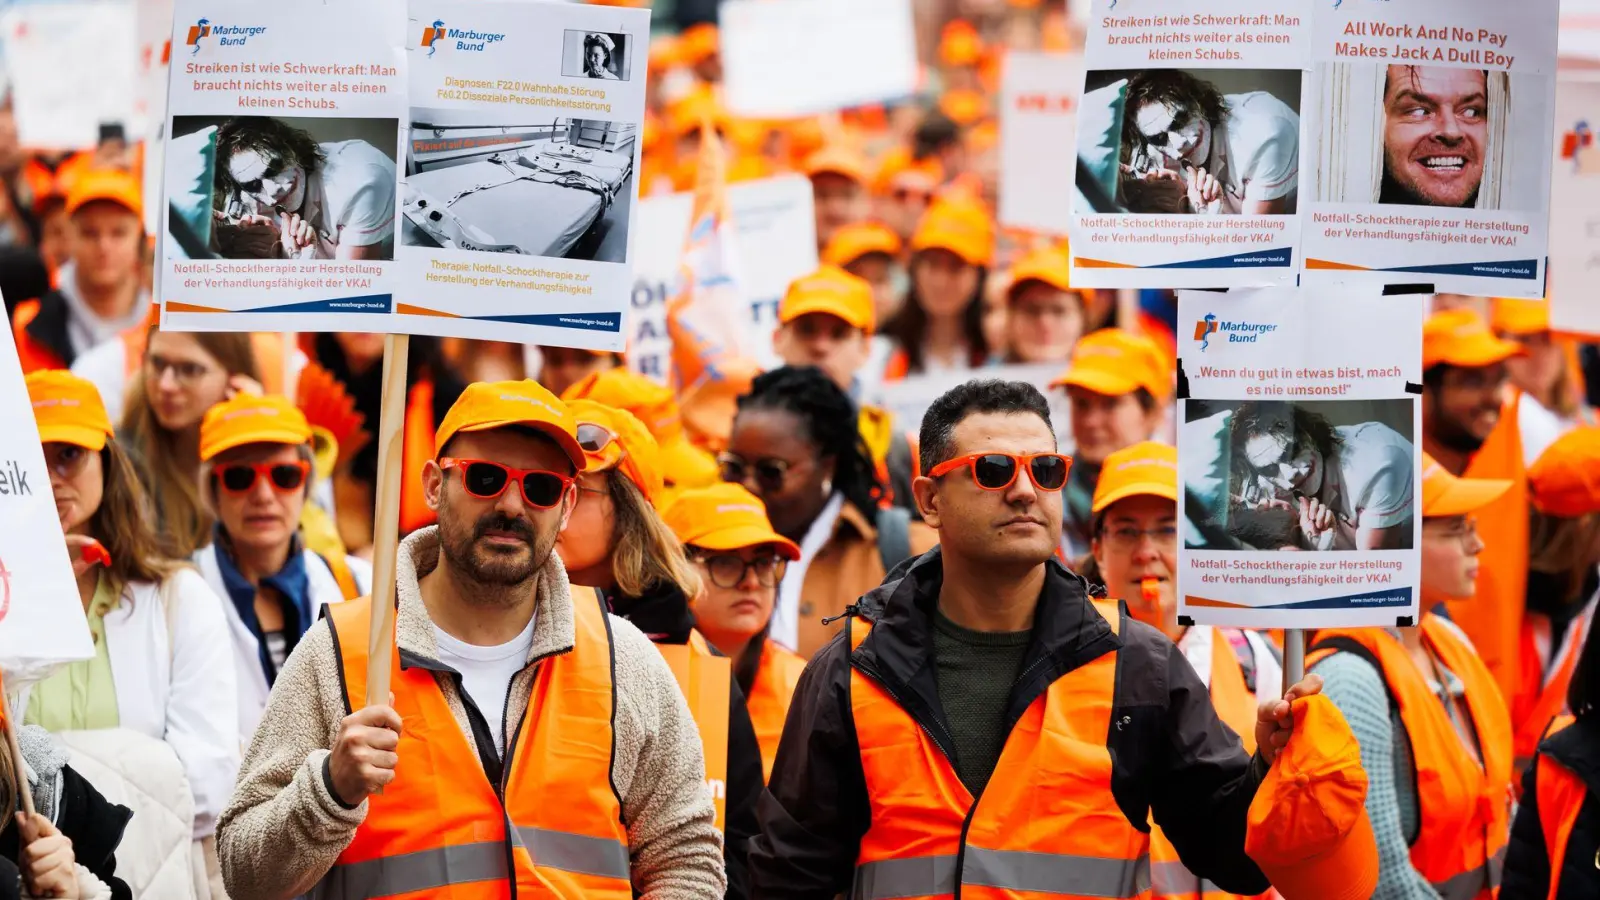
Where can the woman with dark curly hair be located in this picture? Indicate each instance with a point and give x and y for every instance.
(318, 201)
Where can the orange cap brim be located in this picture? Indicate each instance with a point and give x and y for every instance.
(1108, 383)
(788, 312)
(565, 441)
(1466, 495)
(1483, 350)
(1167, 490)
(259, 436)
(1347, 872)
(748, 536)
(78, 435)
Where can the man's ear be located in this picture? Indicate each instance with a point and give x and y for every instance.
(569, 502)
(432, 484)
(926, 492)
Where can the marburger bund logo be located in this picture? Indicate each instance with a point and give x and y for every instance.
(1237, 332)
(226, 35)
(465, 40)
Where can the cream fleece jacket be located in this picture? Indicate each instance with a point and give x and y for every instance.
(283, 830)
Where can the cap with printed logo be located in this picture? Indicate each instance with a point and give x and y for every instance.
(960, 225)
(1460, 337)
(1514, 315)
(1114, 362)
(1049, 265)
(1307, 827)
(830, 291)
(725, 516)
(615, 439)
(68, 409)
(487, 405)
(251, 419)
(1445, 494)
(111, 185)
(656, 406)
(1145, 469)
(1565, 480)
(851, 242)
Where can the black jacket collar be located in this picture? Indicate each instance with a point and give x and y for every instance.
(1577, 747)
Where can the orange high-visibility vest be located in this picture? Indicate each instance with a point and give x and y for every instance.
(1561, 794)
(705, 680)
(1170, 879)
(1046, 822)
(441, 827)
(1542, 704)
(1465, 807)
(777, 674)
(1492, 617)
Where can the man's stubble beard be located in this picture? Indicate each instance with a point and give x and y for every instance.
(493, 580)
(1452, 435)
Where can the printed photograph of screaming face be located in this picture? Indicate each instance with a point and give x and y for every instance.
(558, 187)
(1302, 475)
(1199, 141)
(1441, 136)
(269, 187)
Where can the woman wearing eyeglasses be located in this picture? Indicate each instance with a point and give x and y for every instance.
(726, 533)
(255, 476)
(617, 543)
(1435, 733)
(796, 445)
(1134, 553)
(162, 667)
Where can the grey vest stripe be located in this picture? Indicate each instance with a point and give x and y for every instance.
(422, 870)
(1085, 876)
(916, 876)
(1470, 884)
(1173, 879)
(569, 852)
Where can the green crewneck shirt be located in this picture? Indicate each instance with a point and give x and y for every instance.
(975, 672)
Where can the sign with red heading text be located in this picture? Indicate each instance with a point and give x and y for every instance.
(1038, 105)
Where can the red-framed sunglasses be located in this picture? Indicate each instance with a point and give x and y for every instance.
(286, 477)
(487, 480)
(998, 471)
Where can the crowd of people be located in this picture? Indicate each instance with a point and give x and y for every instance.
(778, 642)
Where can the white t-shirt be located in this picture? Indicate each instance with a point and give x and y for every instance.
(486, 674)
(1257, 149)
(355, 193)
(1540, 427)
(1370, 482)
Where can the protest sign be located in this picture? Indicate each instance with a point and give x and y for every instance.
(41, 618)
(1188, 145)
(517, 202)
(1575, 206)
(1299, 446)
(1579, 43)
(908, 399)
(802, 57)
(72, 70)
(1038, 105)
(153, 28)
(282, 147)
(775, 240)
(1431, 162)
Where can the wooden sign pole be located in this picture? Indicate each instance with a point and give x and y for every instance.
(386, 524)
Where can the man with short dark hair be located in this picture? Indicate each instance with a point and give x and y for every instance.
(1435, 135)
(983, 669)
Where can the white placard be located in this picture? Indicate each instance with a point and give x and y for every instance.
(1575, 206)
(1188, 170)
(520, 186)
(1298, 401)
(775, 239)
(71, 67)
(1431, 157)
(1038, 106)
(1580, 31)
(153, 22)
(41, 618)
(908, 399)
(803, 57)
(313, 114)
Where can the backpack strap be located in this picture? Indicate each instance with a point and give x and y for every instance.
(894, 536)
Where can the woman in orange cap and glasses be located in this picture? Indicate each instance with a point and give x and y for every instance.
(726, 533)
(617, 544)
(940, 327)
(163, 665)
(1434, 731)
(1546, 373)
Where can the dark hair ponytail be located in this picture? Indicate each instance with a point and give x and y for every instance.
(830, 422)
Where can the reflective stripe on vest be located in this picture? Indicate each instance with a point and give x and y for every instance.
(1560, 796)
(1024, 833)
(706, 684)
(560, 824)
(1465, 806)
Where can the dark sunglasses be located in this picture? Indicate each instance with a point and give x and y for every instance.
(998, 471)
(769, 473)
(487, 480)
(240, 478)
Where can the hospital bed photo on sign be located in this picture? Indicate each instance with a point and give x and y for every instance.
(553, 186)
(271, 187)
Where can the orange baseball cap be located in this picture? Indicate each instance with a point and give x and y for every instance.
(1565, 480)
(964, 106)
(1307, 827)
(1460, 337)
(1047, 264)
(1513, 315)
(959, 44)
(252, 419)
(112, 185)
(962, 226)
(1113, 362)
(68, 409)
(656, 406)
(851, 242)
(698, 43)
(666, 51)
(837, 159)
(486, 405)
(831, 291)
(625, 446)
(897, 169)
(1445, 494)
(725, 516)
(1145, 469)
